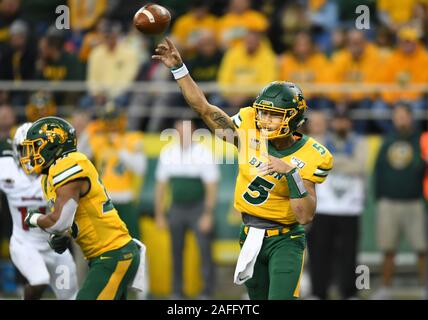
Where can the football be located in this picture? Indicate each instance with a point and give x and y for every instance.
(152, 19)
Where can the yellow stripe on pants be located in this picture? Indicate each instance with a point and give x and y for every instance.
(110, 290)
(296, 292)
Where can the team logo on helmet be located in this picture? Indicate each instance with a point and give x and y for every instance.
(52, 131)
(301, 103)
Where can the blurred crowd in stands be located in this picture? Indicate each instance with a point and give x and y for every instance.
(233, 43)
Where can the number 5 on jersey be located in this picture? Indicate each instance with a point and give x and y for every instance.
(261, 187)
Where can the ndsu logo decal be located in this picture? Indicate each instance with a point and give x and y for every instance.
(297, 162)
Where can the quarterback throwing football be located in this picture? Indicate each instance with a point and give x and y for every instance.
(275, 187)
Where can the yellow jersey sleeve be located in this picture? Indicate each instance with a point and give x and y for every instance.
(244, 118)
(67, 169)
(319, 169)
(323, 169)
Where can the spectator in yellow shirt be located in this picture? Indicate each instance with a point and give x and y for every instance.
(112, 66)
(394, 14)
(305, 65)
(405, 67)
(358, 63)
(233, 25)
(188, 27)
(248, 65)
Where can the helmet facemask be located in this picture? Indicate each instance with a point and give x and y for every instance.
(288, 124)
(31, 158)
(18, 138)
(46, 140)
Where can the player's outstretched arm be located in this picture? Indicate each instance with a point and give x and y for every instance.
(215, 118)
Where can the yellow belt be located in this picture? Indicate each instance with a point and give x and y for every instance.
(271, 232)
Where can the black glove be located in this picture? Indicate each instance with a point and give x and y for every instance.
(59, 243)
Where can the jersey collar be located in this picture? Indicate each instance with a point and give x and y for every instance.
(286, 152)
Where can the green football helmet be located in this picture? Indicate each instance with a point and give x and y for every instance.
(285, 99)
(47, 139)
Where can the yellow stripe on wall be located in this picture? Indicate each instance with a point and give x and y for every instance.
(374, 142)
(159, 260)
(225, 251)
(110, 290)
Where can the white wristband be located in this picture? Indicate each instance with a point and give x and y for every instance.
(180, 72)
(34, 218)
